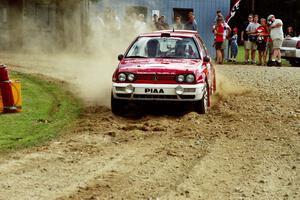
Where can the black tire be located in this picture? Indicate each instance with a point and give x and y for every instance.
(201, 106)
(117, 106)
(295, 62)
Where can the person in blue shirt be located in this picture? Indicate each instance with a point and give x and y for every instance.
(191, 23)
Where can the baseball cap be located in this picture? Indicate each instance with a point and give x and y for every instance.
(270, 17)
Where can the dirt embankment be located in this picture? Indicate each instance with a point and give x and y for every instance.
(247, 147)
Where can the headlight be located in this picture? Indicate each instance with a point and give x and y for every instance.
(180, 78)
(190, 78)
(131, 77)
(122, 77)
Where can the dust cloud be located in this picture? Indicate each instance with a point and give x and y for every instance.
(86, 65)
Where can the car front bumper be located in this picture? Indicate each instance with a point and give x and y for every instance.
(289, 52)
(158, 92)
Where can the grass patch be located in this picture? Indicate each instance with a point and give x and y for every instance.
(48, 110)
(241, 57)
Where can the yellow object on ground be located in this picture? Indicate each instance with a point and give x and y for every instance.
(16, 91)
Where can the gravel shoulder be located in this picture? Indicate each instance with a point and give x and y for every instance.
(247, 147)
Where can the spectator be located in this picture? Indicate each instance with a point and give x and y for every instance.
(244, 38)
(191, 23)
(252, 37)
(155, 25)
(219, 39)
(234, 45)
(162, 24)
(178, 25)
(140, 25)
(226, 36)
(219, 14)
(290, 33)
(276, 33)
(262, 33)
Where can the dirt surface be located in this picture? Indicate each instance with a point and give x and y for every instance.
(247, 147)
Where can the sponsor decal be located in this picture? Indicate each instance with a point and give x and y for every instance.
(154, 91)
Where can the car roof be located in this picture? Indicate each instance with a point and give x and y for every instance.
(173, 33)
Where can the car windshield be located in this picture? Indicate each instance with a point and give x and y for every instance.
(164, 47)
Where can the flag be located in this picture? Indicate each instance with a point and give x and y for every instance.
(233, 10)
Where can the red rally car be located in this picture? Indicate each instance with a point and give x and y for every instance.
(164, 66)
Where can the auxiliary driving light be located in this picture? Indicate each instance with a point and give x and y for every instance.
(129, 89)
(179, 90)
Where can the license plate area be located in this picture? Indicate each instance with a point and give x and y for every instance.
(155, 91)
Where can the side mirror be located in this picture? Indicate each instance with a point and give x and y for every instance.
(120, 57)
(206, 59)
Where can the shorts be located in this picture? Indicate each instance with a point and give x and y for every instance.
(269, 47)
(250, 45)
(261, 46)
(218, 45)
(225, 44)
(277, 43)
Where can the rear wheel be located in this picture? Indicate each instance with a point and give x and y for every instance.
(117, 106)
(202, 105)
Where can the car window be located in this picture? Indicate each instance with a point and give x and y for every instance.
(164, 47)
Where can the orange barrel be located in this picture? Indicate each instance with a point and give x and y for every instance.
(6, 91)
(17, 95)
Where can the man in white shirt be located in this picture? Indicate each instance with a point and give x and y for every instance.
(251, 32)
(276, 33)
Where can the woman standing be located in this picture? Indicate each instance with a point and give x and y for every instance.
(262, 38)
(219, 39)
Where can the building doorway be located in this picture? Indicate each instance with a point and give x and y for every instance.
(183, 13)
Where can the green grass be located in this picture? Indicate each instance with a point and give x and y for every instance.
(241, 57)
(47, 112)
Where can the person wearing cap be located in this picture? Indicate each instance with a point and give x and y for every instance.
(276, 33)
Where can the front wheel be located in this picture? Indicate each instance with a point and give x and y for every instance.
(117, 106)
(202, 105)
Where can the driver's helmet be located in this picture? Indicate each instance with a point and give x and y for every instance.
(152, 48)
(181, 48)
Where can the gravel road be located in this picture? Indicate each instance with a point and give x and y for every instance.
(247, 147)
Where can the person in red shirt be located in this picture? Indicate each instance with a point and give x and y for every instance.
(262, 39)
(219, 39)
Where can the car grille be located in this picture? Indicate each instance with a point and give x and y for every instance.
(124, 95)
(156, 77)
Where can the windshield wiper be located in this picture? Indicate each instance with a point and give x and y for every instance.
(136, 57)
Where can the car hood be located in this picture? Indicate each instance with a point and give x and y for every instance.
(290, 42)
(159, 65)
